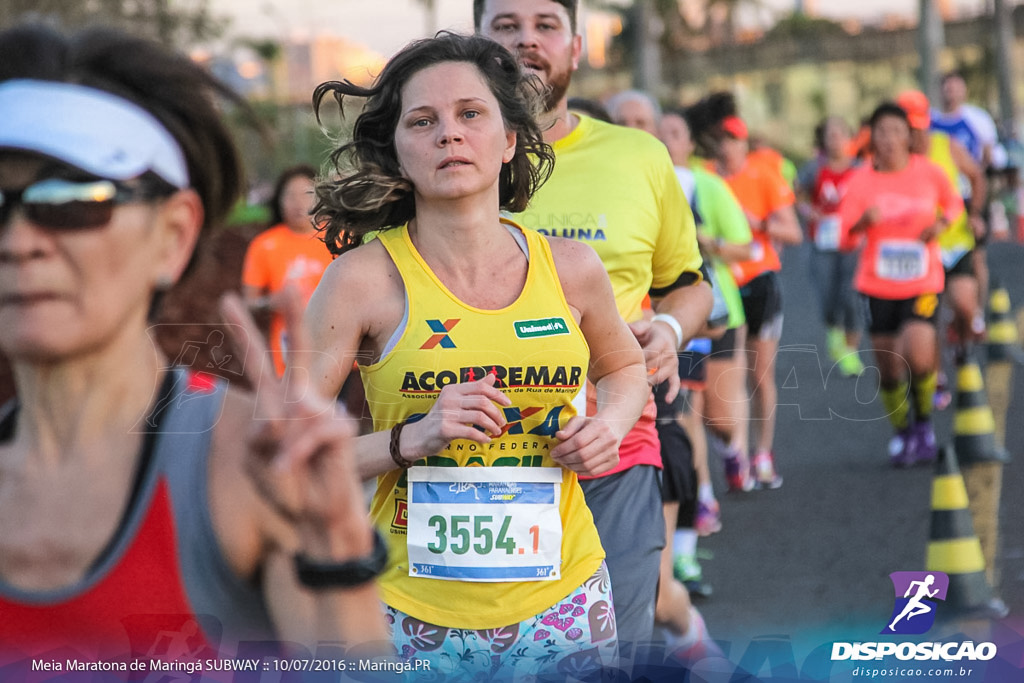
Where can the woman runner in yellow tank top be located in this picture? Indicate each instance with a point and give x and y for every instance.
(473, 340)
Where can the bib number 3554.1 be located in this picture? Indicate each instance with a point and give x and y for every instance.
(484, 523)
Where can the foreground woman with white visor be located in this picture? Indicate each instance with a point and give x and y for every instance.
(142, 504)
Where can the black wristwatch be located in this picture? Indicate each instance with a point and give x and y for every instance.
(354, 572)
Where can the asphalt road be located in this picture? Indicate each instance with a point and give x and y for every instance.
(796, 569)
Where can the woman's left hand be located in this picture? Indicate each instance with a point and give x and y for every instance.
(588, 446)
(301, 454)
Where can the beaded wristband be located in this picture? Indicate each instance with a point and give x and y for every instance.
(396, 455)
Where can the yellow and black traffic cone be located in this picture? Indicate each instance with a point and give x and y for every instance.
(953, 547)
(973, 423)
(1003, 342)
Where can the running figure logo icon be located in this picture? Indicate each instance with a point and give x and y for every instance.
(914, 609)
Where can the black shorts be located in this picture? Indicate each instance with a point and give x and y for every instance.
(964, 267)
(693, 370)
(762, 304)
(678, 478)
(723, 347)
(887, 316)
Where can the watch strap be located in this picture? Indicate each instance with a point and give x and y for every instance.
(354, 572)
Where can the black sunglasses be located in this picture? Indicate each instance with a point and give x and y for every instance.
(61, 204)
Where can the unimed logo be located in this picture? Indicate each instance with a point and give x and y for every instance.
(545, 327)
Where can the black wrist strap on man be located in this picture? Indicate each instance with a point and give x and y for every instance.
(354, 572)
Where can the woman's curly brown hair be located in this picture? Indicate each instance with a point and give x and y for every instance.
(369, 192)
(705, 120)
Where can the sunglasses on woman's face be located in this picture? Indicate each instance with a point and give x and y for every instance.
(60, 204)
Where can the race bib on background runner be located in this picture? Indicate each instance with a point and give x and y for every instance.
(485, 523)
(901, 260)
(756, 251)
(826, 236)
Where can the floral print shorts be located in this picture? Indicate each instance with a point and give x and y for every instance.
(574, 638)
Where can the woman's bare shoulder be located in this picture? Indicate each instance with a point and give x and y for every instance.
(362, 268)
(575, 261)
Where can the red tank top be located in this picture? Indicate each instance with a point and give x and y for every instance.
(829, 188)
(134, 608)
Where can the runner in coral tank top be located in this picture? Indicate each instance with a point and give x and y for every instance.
(901, 205)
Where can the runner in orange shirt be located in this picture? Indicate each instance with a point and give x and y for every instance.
(289, 253)
(901, 204)
(768, 201)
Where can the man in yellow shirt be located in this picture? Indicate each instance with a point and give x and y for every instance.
(615, 189)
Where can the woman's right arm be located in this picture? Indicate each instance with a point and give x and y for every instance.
(336, 320)
(354, 302)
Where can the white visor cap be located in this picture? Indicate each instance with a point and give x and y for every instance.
(96, 131)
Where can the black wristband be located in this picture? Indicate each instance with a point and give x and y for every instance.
(353, 572)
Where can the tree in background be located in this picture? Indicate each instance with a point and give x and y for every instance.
(179, 23)
(675, 25)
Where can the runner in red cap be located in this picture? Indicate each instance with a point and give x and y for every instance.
(768, 201)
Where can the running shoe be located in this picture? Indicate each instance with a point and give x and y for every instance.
(763, 471)
(922, 442)
(943, 397)
(978, 329)
(850, 364)
(737, 474)
(901, 448)
(696, 646)
(688, 571)
(708, 519)
(835, 342)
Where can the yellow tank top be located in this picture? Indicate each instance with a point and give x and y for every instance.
(957, 239)
(540, 357)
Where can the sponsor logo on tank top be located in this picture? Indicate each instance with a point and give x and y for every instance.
(401, 518)
(896, 207)
(441, 336)
(544, 327)
(508, 377)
